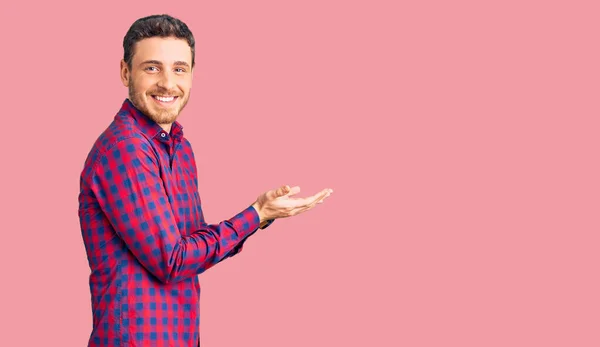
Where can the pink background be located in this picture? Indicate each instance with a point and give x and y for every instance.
(460, 137)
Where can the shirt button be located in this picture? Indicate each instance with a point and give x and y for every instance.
(163, 134)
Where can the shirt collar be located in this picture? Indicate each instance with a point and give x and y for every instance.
(147, 125)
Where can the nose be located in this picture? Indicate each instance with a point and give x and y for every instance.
(166, 80)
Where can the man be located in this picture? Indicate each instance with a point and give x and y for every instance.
(141, 218)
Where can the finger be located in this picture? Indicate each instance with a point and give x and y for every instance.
(302, 202)
(275, 193)
(295, 202)
(320, 195)
(303, 205)
(322, 198)
(320, 201)
(307, 203)
(293, 191)
(282, 190)
(298, 210)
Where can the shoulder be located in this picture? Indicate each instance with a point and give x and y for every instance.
(185, 143)
(186, 149)
(119, 144)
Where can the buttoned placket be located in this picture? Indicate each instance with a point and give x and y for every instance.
(171, 145)
(166, 141)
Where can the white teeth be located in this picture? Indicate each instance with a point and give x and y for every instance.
(165, 99)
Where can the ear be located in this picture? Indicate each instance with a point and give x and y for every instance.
(125, 73)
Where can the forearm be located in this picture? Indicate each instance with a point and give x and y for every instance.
(206, 247)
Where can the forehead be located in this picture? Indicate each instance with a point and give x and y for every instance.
(164, 49)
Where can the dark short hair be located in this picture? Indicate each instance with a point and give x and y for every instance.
(161, 25)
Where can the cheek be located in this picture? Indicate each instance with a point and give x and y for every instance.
(186, 86)
(185, 81)
(143, 85)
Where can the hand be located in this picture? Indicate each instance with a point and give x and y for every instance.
(278, 203)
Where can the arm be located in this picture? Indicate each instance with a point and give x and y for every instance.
(131, 194)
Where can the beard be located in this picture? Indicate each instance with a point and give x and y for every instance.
(145, 103)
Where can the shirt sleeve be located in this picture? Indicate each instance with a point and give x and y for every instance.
(238, 248)
(130, 192)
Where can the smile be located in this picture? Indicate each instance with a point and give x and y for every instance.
(164, 100)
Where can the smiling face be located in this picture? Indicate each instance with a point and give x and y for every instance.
(159, 78)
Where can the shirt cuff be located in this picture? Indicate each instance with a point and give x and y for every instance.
(267, 223)
(246, 222)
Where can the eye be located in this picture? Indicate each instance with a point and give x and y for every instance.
(179, 70)
(151, 68)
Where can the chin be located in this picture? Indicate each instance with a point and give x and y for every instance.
(164, 117)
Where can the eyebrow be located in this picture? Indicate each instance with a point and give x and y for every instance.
(156, 62)
(182, 63)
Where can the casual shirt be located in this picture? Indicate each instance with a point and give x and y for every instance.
(145, 234)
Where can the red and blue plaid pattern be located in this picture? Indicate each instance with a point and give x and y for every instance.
(145, 235)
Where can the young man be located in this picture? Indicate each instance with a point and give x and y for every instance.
(141, 218)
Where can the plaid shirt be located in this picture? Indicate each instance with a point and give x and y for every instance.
(145, 235)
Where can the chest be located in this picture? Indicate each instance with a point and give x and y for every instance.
(178, 176)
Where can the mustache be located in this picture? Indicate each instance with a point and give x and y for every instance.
(164, 92)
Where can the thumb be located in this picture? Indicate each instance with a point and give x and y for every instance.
(283, 190)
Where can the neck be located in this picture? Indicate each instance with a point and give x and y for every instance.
(166, 127)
